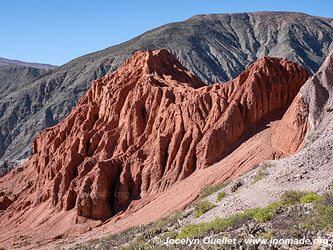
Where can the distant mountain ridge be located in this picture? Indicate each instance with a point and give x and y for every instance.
(5, 61)
(215, 47)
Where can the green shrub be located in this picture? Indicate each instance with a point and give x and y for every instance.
(267, 235)
(327, 198)
(202, 208)
(267, 164)
(310, 197)
(207, 191)
(217, 225)
(291, 198)
(261, 214)
(220, 225)
(220, 196)
(193, 230)
(321, 219)
(322, 216)
(275, 205)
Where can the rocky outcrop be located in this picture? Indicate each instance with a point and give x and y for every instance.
(5, 202)
(144, 127)
(216, 48)
(318, 94)
(288, 135)
(311, 111)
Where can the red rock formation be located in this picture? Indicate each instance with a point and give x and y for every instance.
(310, 111)
(288, 134)
(144, 127)
(5, 202)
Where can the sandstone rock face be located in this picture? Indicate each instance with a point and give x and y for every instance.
(288, 134)
(146, 126)
(216, 48)
(311, 111)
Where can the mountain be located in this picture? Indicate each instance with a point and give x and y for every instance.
(137, 133)
(287, 198)
(216, 48)
(14, 74)
(14, 77)
(6, 62)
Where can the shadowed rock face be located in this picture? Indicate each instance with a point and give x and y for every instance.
(147, 125)
(14, 77)
(214, 47)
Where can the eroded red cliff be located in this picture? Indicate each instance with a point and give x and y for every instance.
(144, 127)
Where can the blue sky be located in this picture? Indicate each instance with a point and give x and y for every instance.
(56, 31)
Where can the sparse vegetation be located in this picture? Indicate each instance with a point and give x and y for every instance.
(220, 196)
(222, 224)
(310, 197)
(165, 221)
(202, 208)
(137, 237)
(321, 219)
(267, 235)
(261, 214)
(137, 243)
(261, 174)
(289, 208)
(323, 214)
(327, 199)
(207, 191)
(267, 164)
(312, 136)
(118, 239)
(217, 225)
(291, 198)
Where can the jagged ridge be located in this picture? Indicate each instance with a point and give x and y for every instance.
(144, 127)
(214, 47)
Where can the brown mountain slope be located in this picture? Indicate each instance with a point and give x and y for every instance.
(137, 133)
